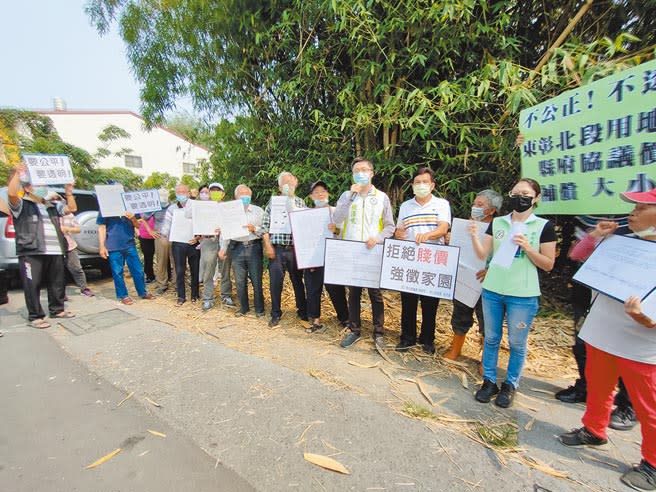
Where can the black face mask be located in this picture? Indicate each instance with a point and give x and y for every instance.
(520, 203)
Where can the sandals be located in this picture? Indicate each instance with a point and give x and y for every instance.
(63, 315)
(127, 301)
(39, 324)
(315, 328)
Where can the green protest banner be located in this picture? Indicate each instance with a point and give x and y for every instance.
(589, 144)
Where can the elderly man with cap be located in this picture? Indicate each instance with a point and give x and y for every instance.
(245, 254)
(314, 276)
(279, 248)
(621, 342)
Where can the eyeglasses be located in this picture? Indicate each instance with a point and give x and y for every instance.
(525, 195)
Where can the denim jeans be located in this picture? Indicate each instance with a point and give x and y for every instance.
(285, 261)
(117, 260)
(247, 262)
(519, 313)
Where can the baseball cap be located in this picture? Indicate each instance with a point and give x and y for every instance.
(216, 185)
(648, 197)
(318, 183)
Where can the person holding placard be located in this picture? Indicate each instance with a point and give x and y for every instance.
(164, 268)
(366, 214)
(246, 255)
(314, 276)
(422, 219)
(621, 342)
(40, 246)
(279, 247)
(178, 228)
(521, 242)
(486, 206)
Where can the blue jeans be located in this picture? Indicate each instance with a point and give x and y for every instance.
(117, 260)
(519, 312)
(247, 262)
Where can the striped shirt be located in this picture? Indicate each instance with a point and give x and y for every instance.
(420, 219)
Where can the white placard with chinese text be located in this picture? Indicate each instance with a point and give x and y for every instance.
(620, 267)
(232, 219)
(310, 231)
(110, 200)
(460, 237)
(205, 217)
(424, 269)
(182, 229)
(142, 201)
(468, 287)
(48, 169)
(648, 306)
(351, 263)
(279, 209)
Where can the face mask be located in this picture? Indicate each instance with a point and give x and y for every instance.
(204, 196)
(520, 203)
(245, 200)
(650, 231)
(320, 203)
(421, 190)
(181, 198)
(216, 195)
(40, 191)
(287, 190)
(477, 213)
(361, 178)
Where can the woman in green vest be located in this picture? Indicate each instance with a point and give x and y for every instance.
(520, 243)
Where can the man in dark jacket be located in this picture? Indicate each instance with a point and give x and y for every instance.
(40, 246)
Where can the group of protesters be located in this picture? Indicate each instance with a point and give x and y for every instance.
(618, 341)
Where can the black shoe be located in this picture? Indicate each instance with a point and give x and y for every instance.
(623, 419)
(641, 477)
(404, 346)
(506, 396)
(428, 348)
(487, 391)
(274, 321)
(581, 437)
(571, 395)
(315, 328)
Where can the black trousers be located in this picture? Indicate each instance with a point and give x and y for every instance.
(462, 318)
(313, 278)
(409, 303)
(184, 253)
(148, 251)
(285, 261)
(377, 308)
(37, 270)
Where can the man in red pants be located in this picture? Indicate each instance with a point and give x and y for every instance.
(621, 342)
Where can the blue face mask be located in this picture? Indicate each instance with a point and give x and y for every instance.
(245, 200)
(181, 198)
(477, 213)
(320, 203)
(361, 178)
(40, 191)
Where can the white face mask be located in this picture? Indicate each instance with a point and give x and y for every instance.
(421, 190)
(650, 231)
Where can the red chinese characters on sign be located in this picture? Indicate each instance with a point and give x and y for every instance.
(441, 257)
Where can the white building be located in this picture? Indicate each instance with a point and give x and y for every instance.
(144, 152)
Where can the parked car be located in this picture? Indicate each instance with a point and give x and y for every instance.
(87, 238)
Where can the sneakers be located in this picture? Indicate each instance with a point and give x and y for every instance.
(506, 396)
(571, 395)
(160, 290)
(623, 419)
(260, 315)
(581, 437)
(229, 302)
(404, 346)
(274, 321)
(641, 477)
(487, 391)
(350, 338)
(207, 305)
(87, 292)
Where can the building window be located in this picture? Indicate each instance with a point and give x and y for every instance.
(133, 161)
(189, 167)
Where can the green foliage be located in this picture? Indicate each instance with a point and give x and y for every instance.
(160, 180)
(126, 177)
(109, 135)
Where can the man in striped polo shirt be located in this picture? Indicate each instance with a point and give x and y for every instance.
(422, 219)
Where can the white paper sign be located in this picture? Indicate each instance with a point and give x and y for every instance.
(352, 263)
(110, 200)
(460, 237)
(648, 305)
(310, 231)
(48, 169)
(232, 219)
(620, 267)
(426, 269)
(182, 229)
(205, 217)
(143, 201)
(506, 252)
(279, 223)
(468, 287)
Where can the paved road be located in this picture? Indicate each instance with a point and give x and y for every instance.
(56, 417)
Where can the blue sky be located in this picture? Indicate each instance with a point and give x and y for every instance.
(50, 49)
